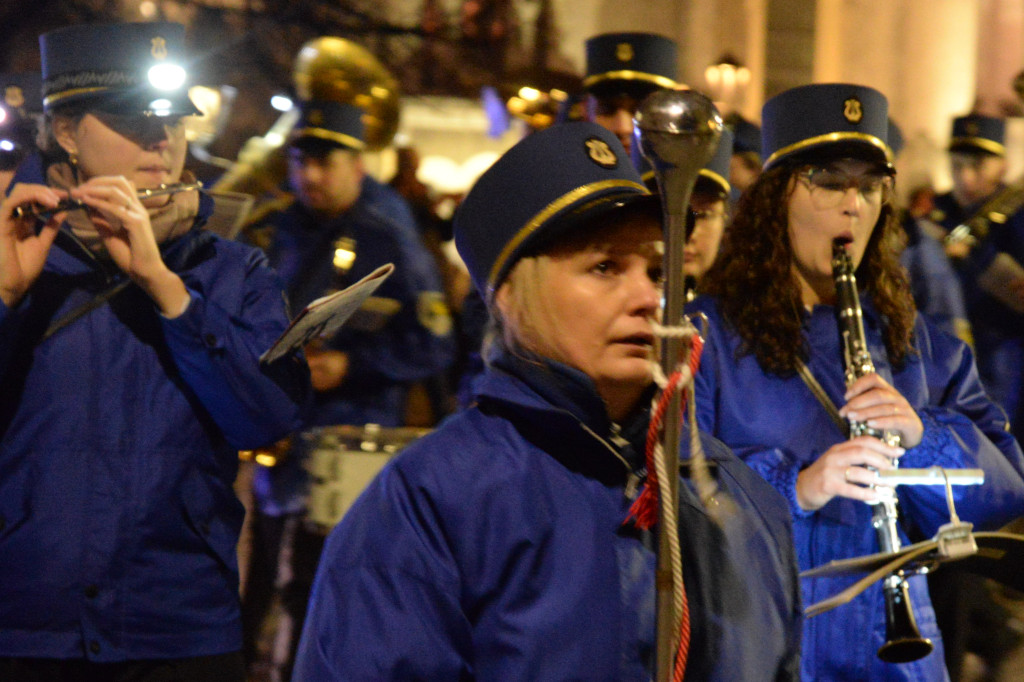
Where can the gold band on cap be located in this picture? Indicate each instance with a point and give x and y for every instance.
(629, 75)
(980, 142)
(50, 100)
(828, 138)
(551, 209)
(329, 135)
(715, 177)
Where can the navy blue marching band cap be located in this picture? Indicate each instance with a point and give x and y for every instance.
(333, 122)
(746, 135)
(717, 169)
(633, 62)
(895, 139)
(124, 67)
(839, 118)
(544, 186)
(978, 133)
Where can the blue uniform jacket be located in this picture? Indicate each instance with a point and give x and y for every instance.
(933, 281)
(119, 439)
(416, 343)
(998, 330)
(778, 427)
(494, 549)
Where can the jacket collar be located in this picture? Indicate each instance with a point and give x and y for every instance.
(558, 408)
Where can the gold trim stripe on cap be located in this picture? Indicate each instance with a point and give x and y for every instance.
(629, 75)
(827, 138)
(980, 142)
(712, 175)
(329, 135)
(57, 97)
(551, 209)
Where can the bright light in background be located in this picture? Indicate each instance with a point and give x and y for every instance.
(529, 94)
(281, 102)
(6, 146)
(147, 9)
(166, 76)
(3, 114)
(448, 177)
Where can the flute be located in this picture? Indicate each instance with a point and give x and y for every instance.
(43, 212)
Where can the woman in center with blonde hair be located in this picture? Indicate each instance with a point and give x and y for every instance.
(498, 547)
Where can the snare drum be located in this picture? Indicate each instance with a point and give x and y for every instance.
(342, 461)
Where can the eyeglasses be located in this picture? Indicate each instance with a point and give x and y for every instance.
(701, 216)
(828, 186)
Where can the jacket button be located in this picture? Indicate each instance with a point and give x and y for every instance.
(91, 591)
(210, 340)
(94, 646)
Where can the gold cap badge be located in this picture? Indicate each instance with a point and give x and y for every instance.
(158, 48)
(14, 96)
(600, 153)
(853, 111)
(624, 52)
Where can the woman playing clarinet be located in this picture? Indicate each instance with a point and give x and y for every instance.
(774, 381)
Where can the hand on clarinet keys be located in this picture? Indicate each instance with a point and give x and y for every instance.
(872, 400)
(845, 470)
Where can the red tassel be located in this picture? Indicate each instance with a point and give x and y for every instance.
(645, 508)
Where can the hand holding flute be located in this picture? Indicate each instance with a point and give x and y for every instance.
(23, 250)
(117, 212)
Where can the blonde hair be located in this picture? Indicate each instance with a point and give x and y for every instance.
(519, 331)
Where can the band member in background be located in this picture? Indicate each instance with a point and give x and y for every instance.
(21, 107)
(933, 281)
(338, 230)
(972, 620)
(496, 546)
(623, 69)
(770, 301)
(746, 155)
(995, 302)
(709, 212)
(129, 354)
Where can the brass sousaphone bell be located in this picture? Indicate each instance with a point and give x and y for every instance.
(326, 68)
(338, 70)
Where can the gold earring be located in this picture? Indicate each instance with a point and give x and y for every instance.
(73, 159)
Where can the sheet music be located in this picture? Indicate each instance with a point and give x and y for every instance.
(326, 315)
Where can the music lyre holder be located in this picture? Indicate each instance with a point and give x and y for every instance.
(995, 555)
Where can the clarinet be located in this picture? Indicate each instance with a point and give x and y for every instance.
(903, 639)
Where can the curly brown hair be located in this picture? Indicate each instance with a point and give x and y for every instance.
(758, 293)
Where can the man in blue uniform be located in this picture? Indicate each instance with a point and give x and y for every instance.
(342, 226)
(990, 266)
(970, 618)
(623, 69)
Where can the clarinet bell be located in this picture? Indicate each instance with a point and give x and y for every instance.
(904, 642)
